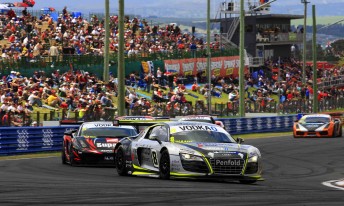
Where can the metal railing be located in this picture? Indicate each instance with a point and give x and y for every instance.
(256, 61)
(328, 82)
(229, 109)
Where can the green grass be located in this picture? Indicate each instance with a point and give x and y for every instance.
(321, 20)
(34, 155)
(215, 100)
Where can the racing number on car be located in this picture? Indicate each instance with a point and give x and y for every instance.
(155, 158)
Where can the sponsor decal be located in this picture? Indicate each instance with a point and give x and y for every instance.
(106, 151)
(23, 136)
(47, 138)
(196, 117)
(200, 127)
(111, 140)
(103, 125)
(108, 158)
(227, 162)
(137, 118)
(182, 141)
(108, 145)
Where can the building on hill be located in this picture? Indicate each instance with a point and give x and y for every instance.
(267, 36)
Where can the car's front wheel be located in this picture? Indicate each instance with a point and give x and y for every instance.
(63, 155)
(340, 131)
(71, 156)
(164, 165)
(120, 162)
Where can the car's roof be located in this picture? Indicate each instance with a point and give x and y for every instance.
(100, 124)
(135, 118)
(317, 115)
(191, 123)
(195, 117)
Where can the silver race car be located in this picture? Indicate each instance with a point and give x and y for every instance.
(187, 149)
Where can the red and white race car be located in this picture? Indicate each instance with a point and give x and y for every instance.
(93, 143)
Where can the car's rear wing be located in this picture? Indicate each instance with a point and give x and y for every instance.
(71, 122)
(336, 115)
(123, 119)
(140, 125)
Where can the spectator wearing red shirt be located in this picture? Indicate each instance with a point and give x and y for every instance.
(12, 38)
(289, 96)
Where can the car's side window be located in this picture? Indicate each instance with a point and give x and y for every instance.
(160, 132)
(149, 133)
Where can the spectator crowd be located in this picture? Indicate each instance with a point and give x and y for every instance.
(70, 34)
(85, 93)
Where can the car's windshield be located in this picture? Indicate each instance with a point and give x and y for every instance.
(201, 136)
(198, 120)
(316, 120)
(108, 132)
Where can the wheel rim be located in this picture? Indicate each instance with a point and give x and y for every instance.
(165, 164)
(119, 157)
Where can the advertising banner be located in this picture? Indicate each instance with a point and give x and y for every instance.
(220, 66)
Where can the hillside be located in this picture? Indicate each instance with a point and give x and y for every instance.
(321, 20)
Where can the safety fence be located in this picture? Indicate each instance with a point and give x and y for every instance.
(14, 140)
(31, 139)
(259, 124)
(261, 105)
(230, 109)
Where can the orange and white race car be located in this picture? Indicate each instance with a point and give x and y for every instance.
(317, 125)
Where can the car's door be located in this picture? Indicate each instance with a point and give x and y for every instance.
(148, 148)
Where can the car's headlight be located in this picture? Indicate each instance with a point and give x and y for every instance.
(253, 159)
(190, 157)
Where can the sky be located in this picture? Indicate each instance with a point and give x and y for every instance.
(90, 5)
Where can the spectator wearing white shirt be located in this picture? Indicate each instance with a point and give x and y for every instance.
(35, 99)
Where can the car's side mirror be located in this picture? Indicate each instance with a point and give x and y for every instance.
(70, 132)
(240, 140)
(155, 138)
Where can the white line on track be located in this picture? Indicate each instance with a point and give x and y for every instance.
(338, 184)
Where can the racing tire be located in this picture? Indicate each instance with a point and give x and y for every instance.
(71, 156)
(120, 162)
(334, 132)
(63, 155)
(247, 181)
(164, 165)
(340, 132)
(294, 135)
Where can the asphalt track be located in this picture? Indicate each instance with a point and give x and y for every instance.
(294, 170)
